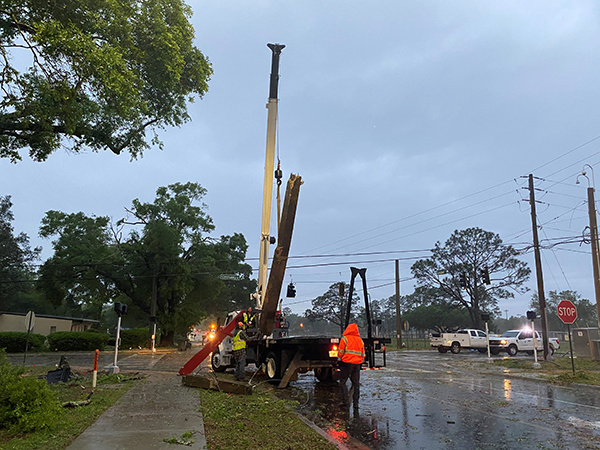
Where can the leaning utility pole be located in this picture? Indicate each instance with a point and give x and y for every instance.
(594, 240)
(398, 315)
(538, 268)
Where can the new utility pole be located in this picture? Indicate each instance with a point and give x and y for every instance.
(538, 268)
(398, 315)
(593, 238)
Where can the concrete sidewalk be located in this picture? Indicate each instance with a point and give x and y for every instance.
(157, 408)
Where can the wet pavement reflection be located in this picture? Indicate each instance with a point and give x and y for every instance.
(424, 400)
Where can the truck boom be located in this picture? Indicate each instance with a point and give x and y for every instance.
(265, 236)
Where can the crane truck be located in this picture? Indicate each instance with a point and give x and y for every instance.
(271, 347)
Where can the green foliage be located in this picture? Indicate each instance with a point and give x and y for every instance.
(16, 257)
(72, 421)
(469, 252)
(102, 74)
(135, 338)
(77, 340)
(330, 307)
(440, 317)
(14, 341)
(167, 243)
(26, 404)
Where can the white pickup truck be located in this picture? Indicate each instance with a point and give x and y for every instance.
(466, 338)
(515, 341)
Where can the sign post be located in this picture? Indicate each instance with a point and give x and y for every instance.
(567, 312)
(531, 315)
(121, 310)
(29, 324)
(486, 317)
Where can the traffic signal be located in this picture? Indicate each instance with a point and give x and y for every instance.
(291, 290)
(462, 279)
(485, 276)
(120, 309)
(341, 289)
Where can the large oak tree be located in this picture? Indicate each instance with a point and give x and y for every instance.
(471, 252)
(165, 244)
(100, 74)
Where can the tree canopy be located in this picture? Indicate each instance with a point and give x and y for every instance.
(163, 245)
(95, 74)
(441, 317)
(16, 257)
(470, 252)
(331, 307)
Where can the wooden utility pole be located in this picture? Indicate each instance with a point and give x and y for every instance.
(284, 241)
(153, 307)
(398, 315)
(594, 240)
(538, 268)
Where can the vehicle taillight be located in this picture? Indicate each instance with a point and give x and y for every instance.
(334, 347)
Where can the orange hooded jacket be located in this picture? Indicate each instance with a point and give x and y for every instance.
(352, 348)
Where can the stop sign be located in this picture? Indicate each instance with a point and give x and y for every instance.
(567, 311)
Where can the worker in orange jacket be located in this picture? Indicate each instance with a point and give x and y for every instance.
(351, 352)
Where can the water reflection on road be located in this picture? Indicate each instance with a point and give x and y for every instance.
(424, 400)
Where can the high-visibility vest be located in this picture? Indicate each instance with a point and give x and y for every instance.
(238, 342)
(352, 349)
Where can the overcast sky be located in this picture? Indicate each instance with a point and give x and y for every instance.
(406, 121)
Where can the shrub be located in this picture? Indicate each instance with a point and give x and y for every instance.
(137, 337)
(14, 341)
(26, 404)
(77, 340)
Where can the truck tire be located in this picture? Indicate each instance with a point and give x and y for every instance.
(273, 366)
(442, 349)
(512, 350)
(455, 347)
(324, 374)
(217, 362)
(551, 349)
(495, 351)
(482, 350)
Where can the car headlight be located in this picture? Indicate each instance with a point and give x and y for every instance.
(503, 342)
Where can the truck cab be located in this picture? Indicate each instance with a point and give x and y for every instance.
(515, 341)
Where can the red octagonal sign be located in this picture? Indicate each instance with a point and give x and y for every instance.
(567, 311)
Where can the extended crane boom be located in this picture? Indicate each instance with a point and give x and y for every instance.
(265, 232)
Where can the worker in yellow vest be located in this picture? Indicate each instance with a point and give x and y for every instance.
(239, 351)
(247, 318)
(351, 351)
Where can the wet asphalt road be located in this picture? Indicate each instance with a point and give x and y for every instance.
(426, 400)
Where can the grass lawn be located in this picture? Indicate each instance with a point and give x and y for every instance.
(73, 421)
(560, 370)
(256, 422)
